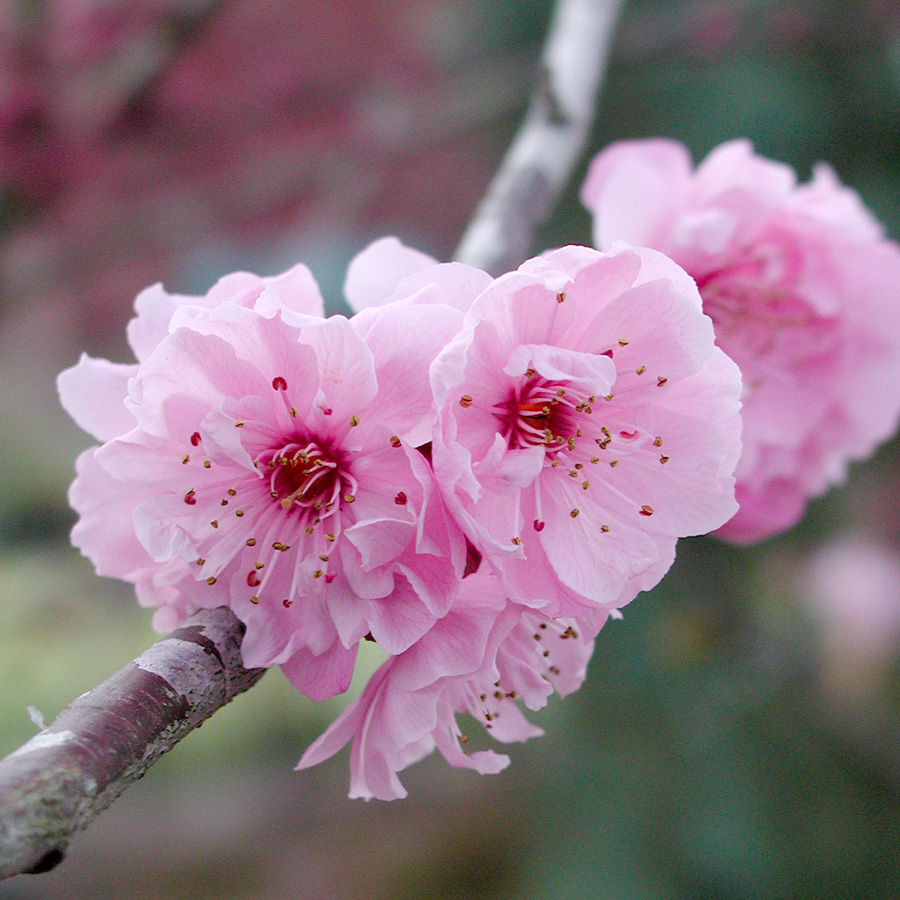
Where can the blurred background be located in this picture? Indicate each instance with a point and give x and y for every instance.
(739, 732)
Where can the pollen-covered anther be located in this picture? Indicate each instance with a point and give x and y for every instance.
(254, 599)
(604, 528)
(465, 401)
(663, 459)
(251, 542)
(354, 421)
(185, 459)
(640, 370)
(646, 510)
(623, 342)
(211, 580)
(560, 297)
(661, 380)
(657, 442)
(207, 464)
(574, 513)
(349, 498)
(395, 441)
(517, 541)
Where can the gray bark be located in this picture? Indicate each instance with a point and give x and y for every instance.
(540, 161)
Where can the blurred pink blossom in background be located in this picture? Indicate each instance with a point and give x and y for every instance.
(801, 286)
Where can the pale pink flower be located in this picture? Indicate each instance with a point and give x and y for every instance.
(585, 422)
(482, 656)
(94, 392)
(802, 289)
(262, 460)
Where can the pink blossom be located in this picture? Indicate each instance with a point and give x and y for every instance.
(262, 459)
(802, 289)
(585, 422)
(479, 658)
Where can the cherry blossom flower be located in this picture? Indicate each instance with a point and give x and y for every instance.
(802, 289)
(262, 459)
(482, 656)
(585, 422)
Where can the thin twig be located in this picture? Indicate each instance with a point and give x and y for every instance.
(55, 785)
(550, 141)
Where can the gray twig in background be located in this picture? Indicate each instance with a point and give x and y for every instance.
(550, 141)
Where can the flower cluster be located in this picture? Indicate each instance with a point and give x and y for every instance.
(802, 289)
(473, 473)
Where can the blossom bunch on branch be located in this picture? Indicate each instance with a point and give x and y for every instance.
(474, 473)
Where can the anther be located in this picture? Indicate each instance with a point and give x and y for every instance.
(279, 384)
(574, 513)
(395, 441)
(465, 401)
(207, 464)
(646, 510)
(252, 579)
(195, 439)
(400, 499)
(661, 380)
(560, 297)
(538, 525)
(354, 421)
(640, 370)
(251, 542)
(190, 498)
(211, 580)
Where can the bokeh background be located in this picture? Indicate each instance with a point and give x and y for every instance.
(739, 732)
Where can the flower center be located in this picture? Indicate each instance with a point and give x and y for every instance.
(544, 414)
(755, 296)
(304, 476)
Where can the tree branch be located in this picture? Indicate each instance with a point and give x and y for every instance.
(550, 141)
(54, 786)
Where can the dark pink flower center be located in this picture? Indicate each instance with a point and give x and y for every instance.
(544, 414)
(307, 476)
